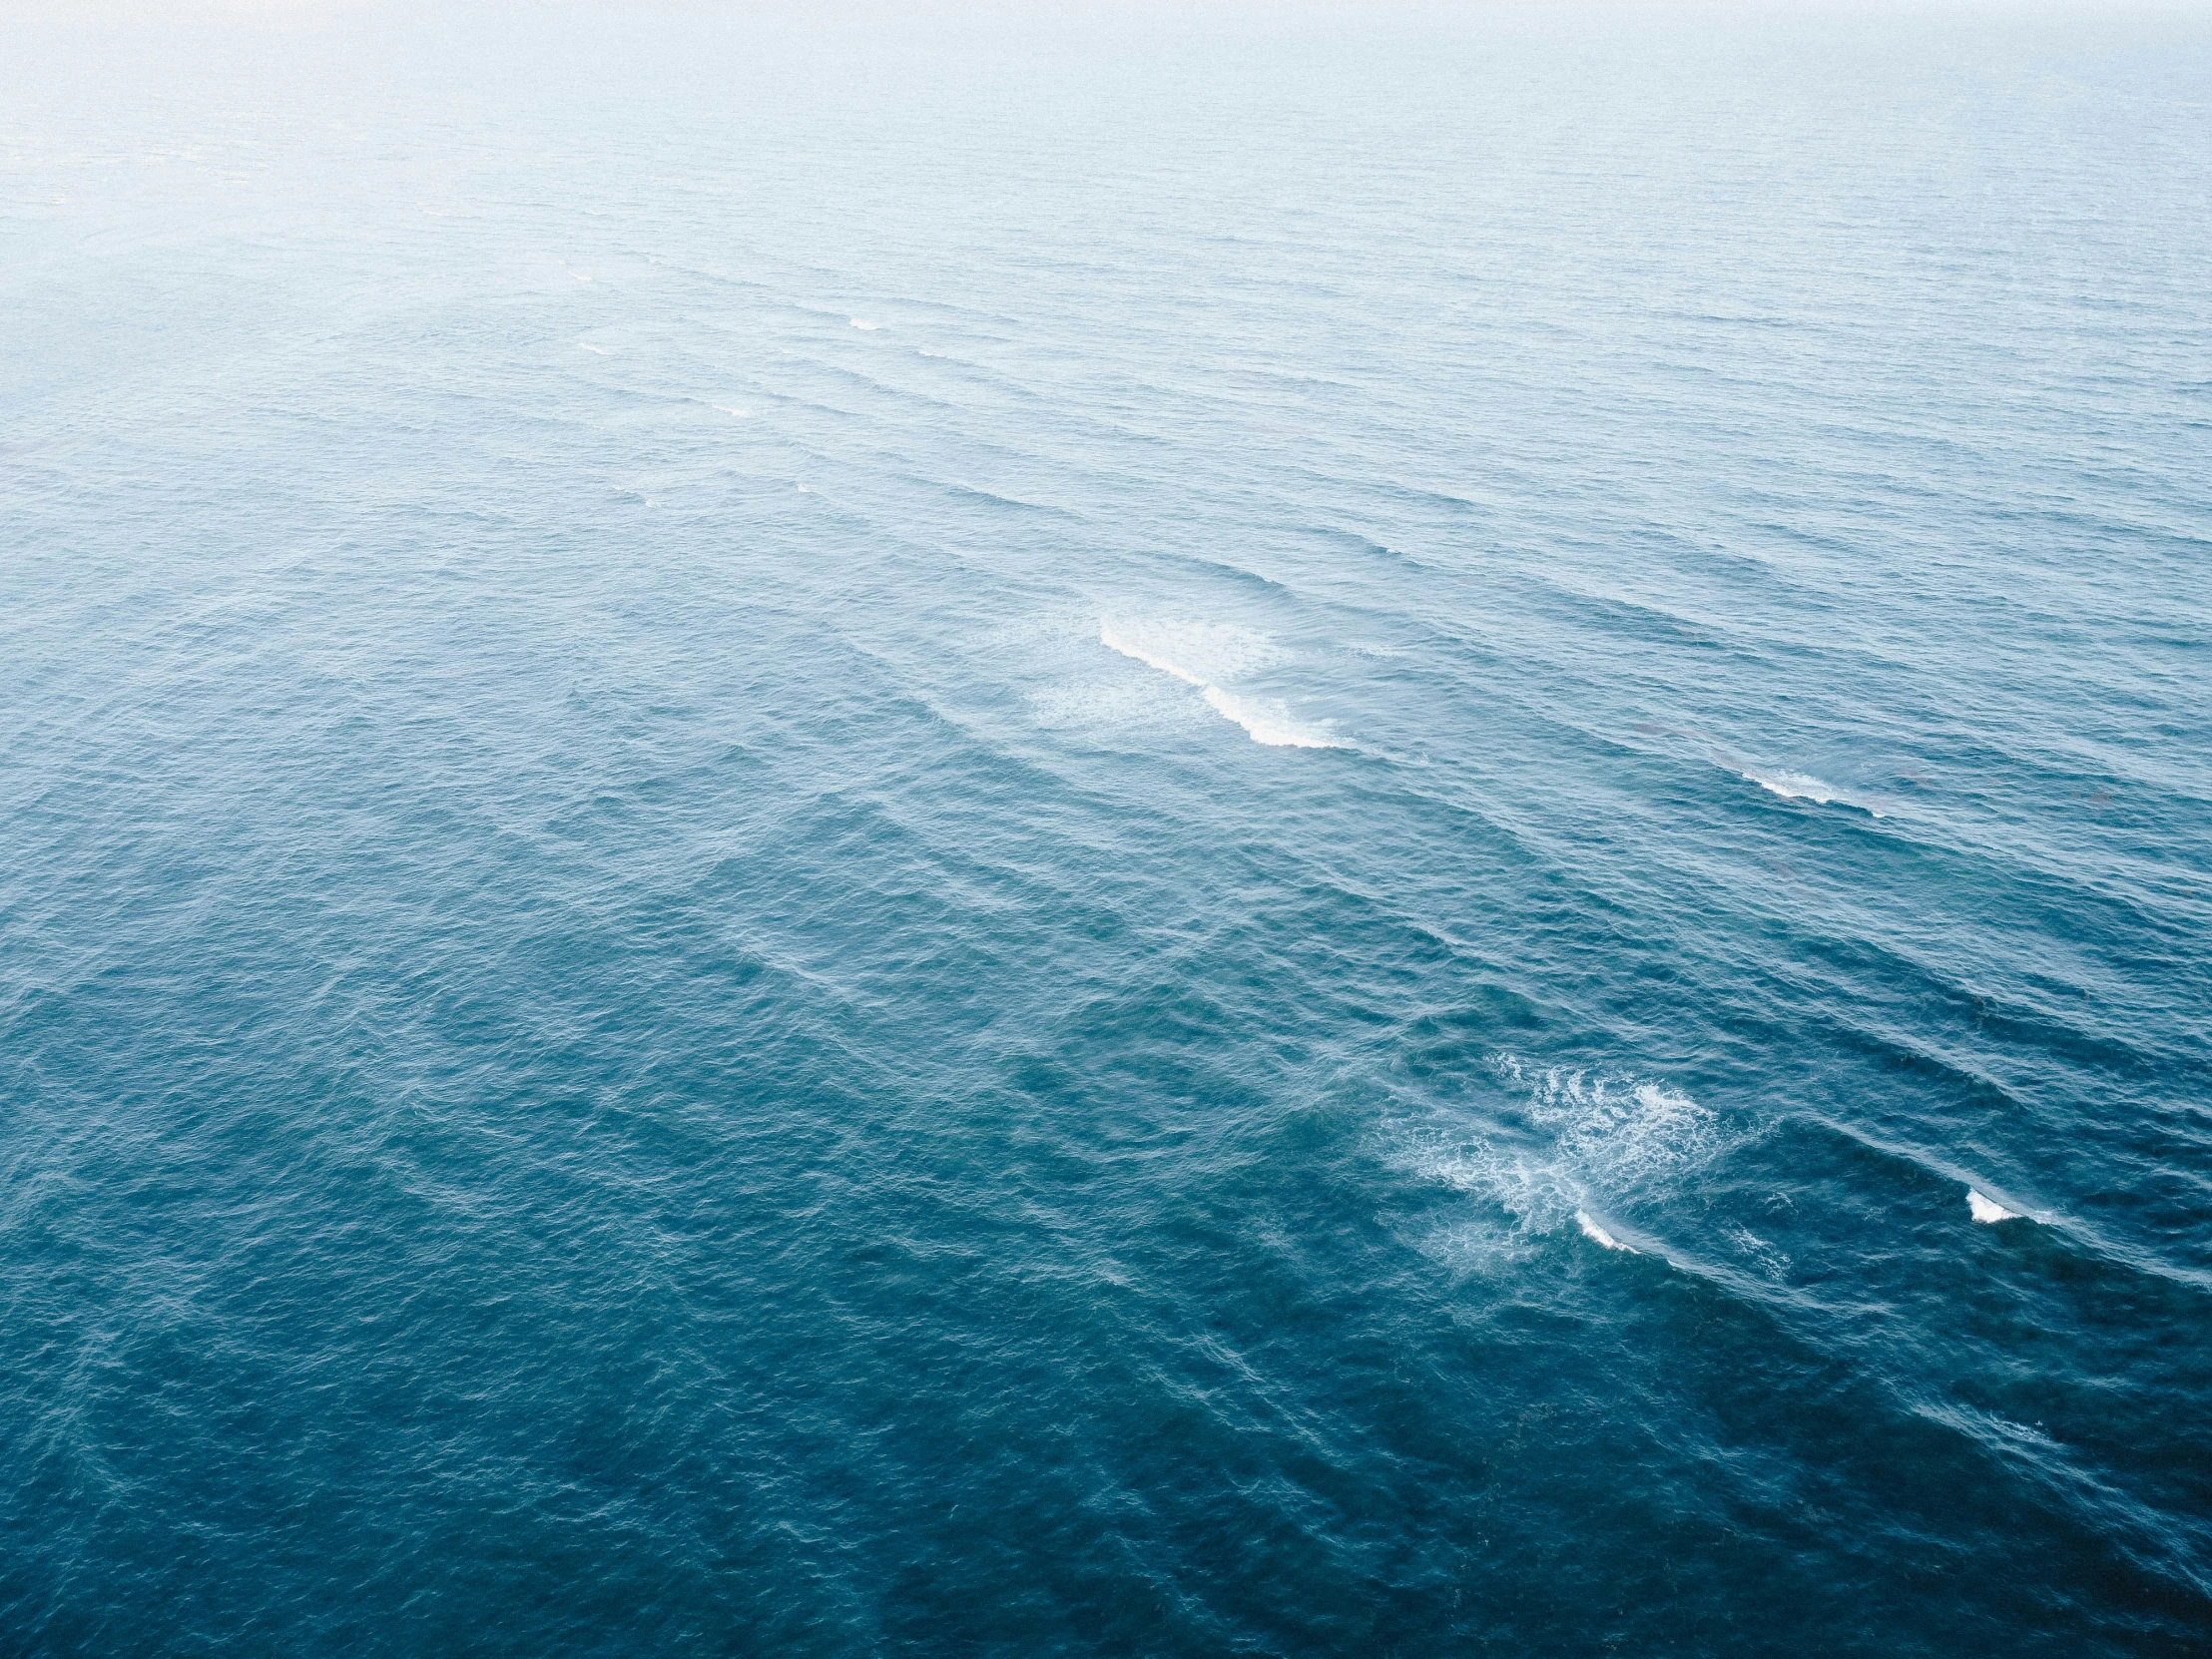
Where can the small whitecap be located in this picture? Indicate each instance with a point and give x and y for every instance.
(860, 323)
(595, 350)
(1803, 786)
(1988, 1210)
(742, 414)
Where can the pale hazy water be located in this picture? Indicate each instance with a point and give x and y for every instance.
(653, 996)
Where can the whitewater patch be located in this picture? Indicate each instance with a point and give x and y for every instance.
(1988, 1210)
(860, 323)
(1267, 723)
(1802, 786)
(1598, 1142)
(1591, 1230)
(1202, 655)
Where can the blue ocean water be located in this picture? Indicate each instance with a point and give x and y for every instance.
(1001, 835)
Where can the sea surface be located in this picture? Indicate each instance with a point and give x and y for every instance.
(987, 834)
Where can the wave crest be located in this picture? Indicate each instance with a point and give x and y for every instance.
(1196, 654)
(1803, 786)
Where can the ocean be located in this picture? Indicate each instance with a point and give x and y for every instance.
(1001, 833)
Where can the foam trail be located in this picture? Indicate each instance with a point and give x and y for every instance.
(1987, 1209)
(1267, 723)
(869, 326)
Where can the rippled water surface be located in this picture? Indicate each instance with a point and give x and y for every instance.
(1356, 836)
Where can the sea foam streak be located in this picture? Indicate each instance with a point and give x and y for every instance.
(1264, 721)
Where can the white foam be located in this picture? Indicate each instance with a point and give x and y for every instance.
(1621, 1132)
(1793, 785)
(1197, 655)
(1115, 640)
(1987, 1209)
(1267, 723)
(869, 326)
(1803, 786)
(1592, 1229)
(595, 350)
(742, 414)
(1607, 1141)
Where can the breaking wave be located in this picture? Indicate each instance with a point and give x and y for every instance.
(1599, 1235)
(1802, 786)
(1197, 654)
(1987, 1209)
(1598, 1141)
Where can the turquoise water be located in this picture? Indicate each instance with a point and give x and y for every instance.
(992, 836)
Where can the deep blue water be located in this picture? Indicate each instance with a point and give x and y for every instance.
(655, 999)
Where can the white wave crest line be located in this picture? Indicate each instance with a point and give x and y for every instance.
(1803, 786)
(1261, 725)
(1114, 642)
(1592, 1229)
(1987, 1209)
(862, 322)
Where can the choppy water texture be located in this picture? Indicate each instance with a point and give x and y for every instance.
(977, 837)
